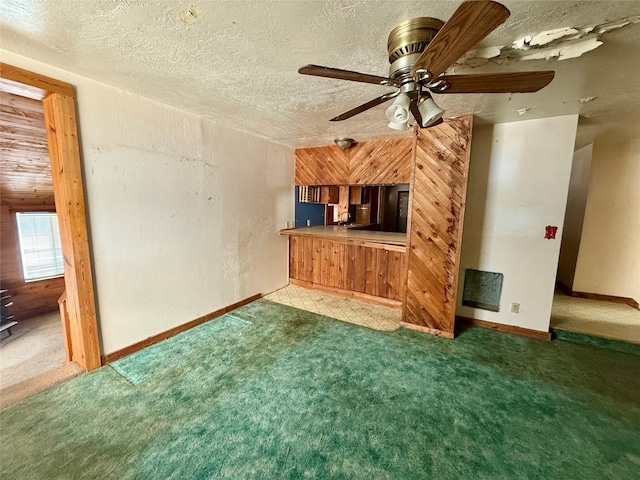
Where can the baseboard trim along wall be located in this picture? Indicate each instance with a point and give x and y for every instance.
(113, 356)
(430, 331)
(597, 296)
(525, 332)
(607, 298)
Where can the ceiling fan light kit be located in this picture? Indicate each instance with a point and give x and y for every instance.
(420, 50)
(429, 111)
(398, 112)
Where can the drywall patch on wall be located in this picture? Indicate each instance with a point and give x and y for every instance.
(561, 43)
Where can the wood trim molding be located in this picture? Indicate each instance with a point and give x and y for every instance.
(388, 245)
(118, 354)
(32, 85)
(66, 170)
(430, 331)
(351, 295)
(513, 329)
(597, 296)
(607, 298)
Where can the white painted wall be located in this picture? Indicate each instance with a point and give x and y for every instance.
(574, 214)
(518, 183)
(183, 214)
(609, 257)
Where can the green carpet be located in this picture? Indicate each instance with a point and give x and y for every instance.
(274, 392)
(583, 339)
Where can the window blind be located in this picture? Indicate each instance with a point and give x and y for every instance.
(40, 248)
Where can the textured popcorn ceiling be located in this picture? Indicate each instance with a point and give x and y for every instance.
(236, 62)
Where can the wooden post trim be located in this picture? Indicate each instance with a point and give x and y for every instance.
(60, 121)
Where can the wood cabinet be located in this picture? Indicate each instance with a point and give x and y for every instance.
(374, 270)
(329, 194)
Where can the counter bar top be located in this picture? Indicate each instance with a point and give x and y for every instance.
(336, 232)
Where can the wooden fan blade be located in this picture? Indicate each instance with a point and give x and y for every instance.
(365, 106)
(471, 22)
(518, 82)
(319, 71)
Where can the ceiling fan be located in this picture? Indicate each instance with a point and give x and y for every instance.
(420, 50)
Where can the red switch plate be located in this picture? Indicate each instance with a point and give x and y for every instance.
(550, 232)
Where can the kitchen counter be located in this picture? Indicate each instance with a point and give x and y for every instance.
(341, 233)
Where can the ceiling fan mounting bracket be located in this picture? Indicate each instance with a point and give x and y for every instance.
(412, 36)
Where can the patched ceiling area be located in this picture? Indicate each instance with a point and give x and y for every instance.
(236, 62)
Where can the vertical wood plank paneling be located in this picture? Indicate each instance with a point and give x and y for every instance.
(308, 260)
(325, 262)
(438, 193)
(350, 277)
(375, 271)
(394, 275)
(371, 271)
(360, 268)
(334, 264)
(343, 266)
(294, 259)
(380, 161)
(383, 274)
(327, 165)
(316, 274)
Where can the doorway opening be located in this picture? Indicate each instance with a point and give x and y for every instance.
(44, 226)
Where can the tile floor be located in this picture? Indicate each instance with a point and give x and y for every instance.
(352, 311)
(595, 317)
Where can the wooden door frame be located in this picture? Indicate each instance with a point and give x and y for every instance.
(58, 100)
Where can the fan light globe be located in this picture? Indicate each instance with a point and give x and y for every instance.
(429, 111)
(398, 112)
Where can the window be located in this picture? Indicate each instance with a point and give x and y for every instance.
(40, 248)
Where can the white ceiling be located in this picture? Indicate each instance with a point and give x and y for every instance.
(236, 62)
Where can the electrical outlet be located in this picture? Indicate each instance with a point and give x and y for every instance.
(515, 308)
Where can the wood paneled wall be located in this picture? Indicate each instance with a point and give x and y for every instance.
(372, 162)
(375, 270)
(26, 170)
(327, 165)
(377, 162)
(438, 192)
(31, 298)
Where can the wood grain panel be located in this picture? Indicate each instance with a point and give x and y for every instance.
(374, 271)
(24, 153)
(438, 192)
(328, 165)
(62, 136)
(380, 161)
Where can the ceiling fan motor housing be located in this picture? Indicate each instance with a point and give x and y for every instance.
(407, 40)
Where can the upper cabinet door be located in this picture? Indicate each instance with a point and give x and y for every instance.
(327, 165)
(381, 161)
